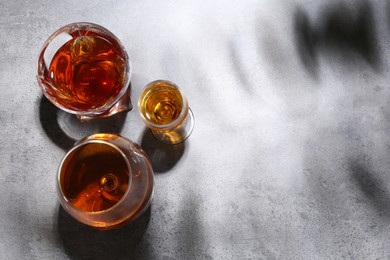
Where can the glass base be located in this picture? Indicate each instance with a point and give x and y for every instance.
(179, 134)
(123, 104)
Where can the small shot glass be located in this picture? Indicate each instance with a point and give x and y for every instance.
(164, 109)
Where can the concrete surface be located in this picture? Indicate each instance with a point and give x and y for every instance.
(289, 158)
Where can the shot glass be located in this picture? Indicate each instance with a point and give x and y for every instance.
(83, 69)
(105, 181)
(164, 109)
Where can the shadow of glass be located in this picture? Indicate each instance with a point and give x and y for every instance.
(64, 129)
(83, 242)
(48, 119)
(163, 156)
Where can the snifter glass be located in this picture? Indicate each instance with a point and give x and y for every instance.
(105, 181)
(83, 69)
(164, 109)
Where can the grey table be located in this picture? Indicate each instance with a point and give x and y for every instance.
(289, 158)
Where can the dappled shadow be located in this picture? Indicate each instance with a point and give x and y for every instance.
(344, 29)
(238, 69)
(306, 42)
(190, 229)
(338, 30)
(371, 186)
(83, 242)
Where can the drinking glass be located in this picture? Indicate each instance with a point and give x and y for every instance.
(105, 181)
(164, 109)
(83, 69)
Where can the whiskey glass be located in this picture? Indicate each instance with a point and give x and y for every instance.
(83, 69)
(105, 181)
(164, 109)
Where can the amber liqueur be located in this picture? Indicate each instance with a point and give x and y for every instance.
(162, 105)
(88, 71)
(96, 181)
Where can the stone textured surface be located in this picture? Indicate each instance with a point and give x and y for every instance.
(289, 158)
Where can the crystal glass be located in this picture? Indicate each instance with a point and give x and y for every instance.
(164, 109)
(84, 69)
(105, 181)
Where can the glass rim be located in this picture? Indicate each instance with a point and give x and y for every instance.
(87, 112)
(181, 117)
(64, 199)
